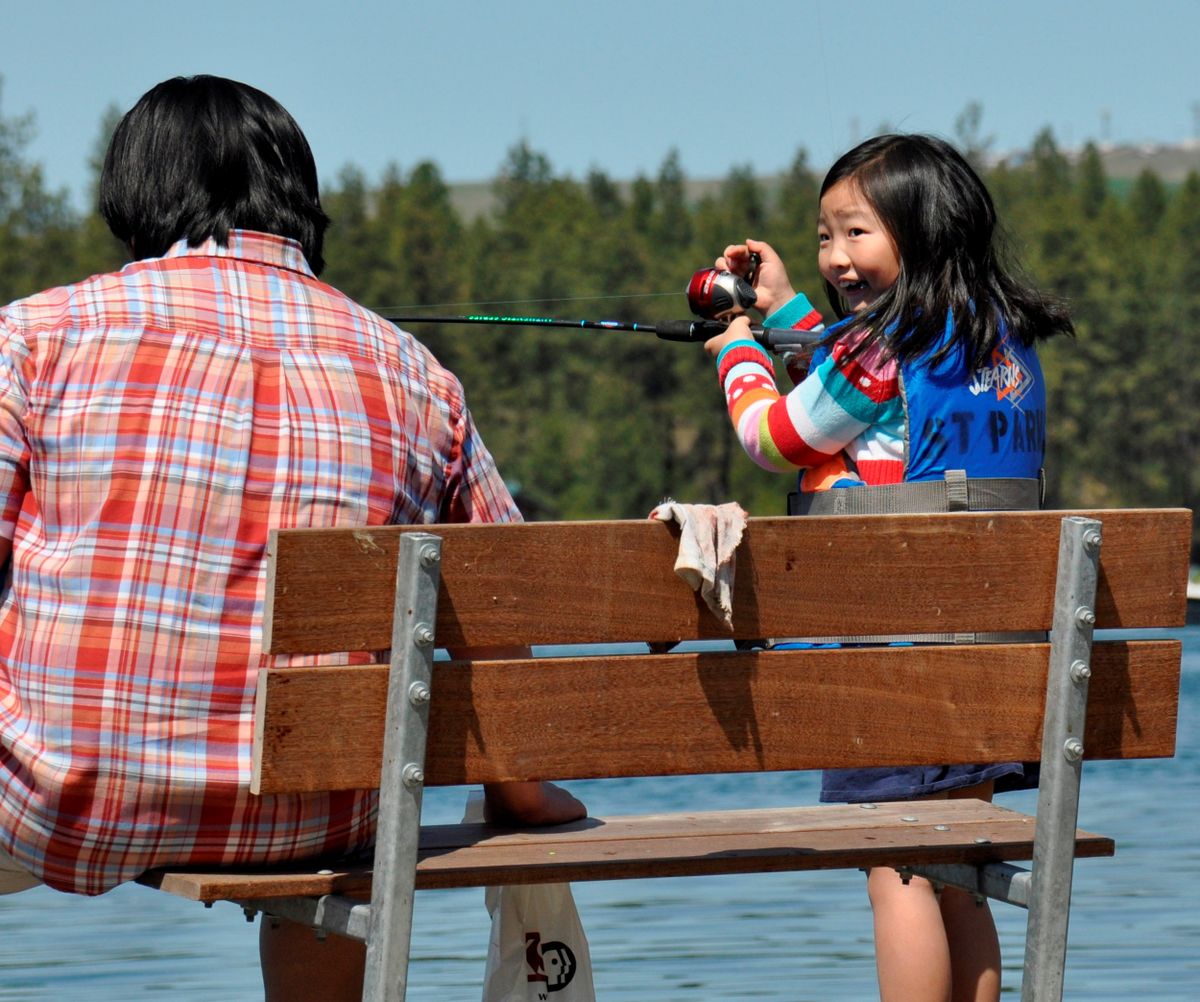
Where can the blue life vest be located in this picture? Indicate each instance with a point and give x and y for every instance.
(990, 422)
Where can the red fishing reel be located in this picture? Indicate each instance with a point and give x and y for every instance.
(721, 295)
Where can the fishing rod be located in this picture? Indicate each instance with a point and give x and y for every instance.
(716, 296)
(775, 339)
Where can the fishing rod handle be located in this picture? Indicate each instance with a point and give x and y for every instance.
(774, 339)
(688, 330)
(783, 339)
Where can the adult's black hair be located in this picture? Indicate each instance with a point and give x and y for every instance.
(942, 220)
(199, 156)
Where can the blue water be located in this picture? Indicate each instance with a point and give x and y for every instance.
(1135, 927)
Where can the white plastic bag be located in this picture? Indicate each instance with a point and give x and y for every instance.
(537, 950)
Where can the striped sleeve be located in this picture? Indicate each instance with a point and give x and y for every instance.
(798, 314)
(839, 400)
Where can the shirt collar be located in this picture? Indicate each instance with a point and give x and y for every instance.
(249, 245)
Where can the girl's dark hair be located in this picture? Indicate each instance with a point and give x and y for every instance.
(943, 222)
(199, 156)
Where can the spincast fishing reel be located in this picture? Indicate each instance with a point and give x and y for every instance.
(721, 295)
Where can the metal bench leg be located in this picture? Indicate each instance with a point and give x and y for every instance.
(402, 776)
(1062, 753)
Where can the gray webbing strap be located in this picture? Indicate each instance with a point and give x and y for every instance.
(957, 492)
(1025, 637)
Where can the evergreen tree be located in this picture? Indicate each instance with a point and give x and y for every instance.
(350, 250)
(641, 205)
(1147, 201)
(1093, 183)
(96, 250)
(1051, 170)
(671, 229)
(605, 195)
(792, 229)
(973, 145)
(36, 225)
(1177, 387)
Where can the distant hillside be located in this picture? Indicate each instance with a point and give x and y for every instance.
(1122, 163)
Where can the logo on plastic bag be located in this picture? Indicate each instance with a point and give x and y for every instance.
(551, 962)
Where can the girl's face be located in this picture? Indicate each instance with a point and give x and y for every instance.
(857, 255)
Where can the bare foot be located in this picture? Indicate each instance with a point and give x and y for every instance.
(534, 804)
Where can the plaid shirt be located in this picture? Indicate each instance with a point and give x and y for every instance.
(154, 425)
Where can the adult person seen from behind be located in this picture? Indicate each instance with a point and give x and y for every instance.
(155, 425)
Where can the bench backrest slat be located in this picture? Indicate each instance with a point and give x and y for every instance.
(581, 582)
(321, 728)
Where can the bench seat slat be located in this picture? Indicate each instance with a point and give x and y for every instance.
(494, 721)
(803, 838)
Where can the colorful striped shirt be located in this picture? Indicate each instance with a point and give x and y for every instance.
(842, 424)
(155, 424)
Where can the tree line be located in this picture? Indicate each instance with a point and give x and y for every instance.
(588, 424)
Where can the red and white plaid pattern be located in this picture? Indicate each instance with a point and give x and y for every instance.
(155, 424)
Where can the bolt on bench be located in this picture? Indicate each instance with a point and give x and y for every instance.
(417, 723)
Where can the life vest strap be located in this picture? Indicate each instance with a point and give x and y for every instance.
(957, 492)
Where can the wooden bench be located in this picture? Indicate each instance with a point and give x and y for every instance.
(715, 710)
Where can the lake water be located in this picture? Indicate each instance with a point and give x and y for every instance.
(1135, 926)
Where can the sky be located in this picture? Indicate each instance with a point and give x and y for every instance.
(616, 85)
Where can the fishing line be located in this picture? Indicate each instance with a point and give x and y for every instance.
(522, 302)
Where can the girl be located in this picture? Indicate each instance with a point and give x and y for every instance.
(930, 378)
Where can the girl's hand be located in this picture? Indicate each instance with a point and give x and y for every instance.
(771, 282)
(739, 330)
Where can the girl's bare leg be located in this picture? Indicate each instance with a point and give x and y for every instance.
(974, 947)
(933, 947)
(912, 955)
